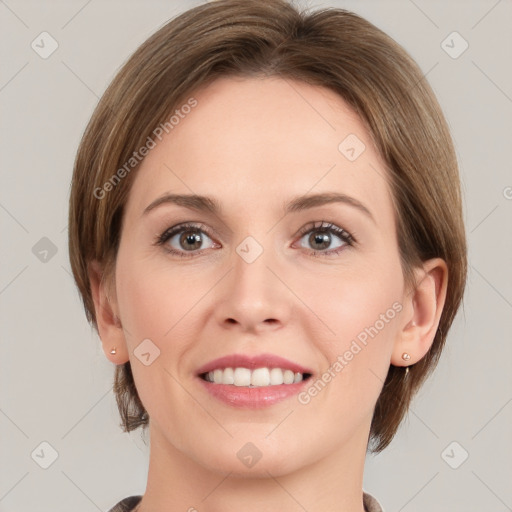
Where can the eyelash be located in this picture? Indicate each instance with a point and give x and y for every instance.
(323, 226)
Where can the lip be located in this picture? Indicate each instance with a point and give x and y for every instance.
(256, 397)
(253, 362)
(252, 398)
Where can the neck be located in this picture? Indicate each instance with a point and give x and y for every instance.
(176, 482)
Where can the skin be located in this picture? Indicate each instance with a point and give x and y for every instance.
(253, 143)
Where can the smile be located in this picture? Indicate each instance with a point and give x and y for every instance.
(259, 377)
(252, 381)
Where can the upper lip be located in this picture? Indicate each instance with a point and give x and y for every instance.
(252, 362)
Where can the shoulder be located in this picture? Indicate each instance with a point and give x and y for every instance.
(371, 504)
(126, 505)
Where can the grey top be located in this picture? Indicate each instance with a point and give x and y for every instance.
(128, 504)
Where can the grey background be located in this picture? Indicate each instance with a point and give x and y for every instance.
(55, 382)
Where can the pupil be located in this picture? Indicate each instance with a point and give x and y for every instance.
(194, 239)
(321, 239)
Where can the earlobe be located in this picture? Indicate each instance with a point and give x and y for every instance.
(422, 312)
(110, 328)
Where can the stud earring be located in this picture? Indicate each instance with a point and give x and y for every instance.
(406, 357)
(113, 351)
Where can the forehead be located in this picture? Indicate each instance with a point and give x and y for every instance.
(249, 137)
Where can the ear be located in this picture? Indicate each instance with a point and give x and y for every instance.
(110, 328)
(422, 308)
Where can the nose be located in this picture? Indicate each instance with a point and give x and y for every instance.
(254, 297)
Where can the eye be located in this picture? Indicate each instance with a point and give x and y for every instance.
(320, 237)
(185, 238)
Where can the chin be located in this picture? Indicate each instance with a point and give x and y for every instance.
(244, 458)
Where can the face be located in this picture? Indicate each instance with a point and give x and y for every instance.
(318, 284)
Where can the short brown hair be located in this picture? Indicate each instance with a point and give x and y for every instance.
(333, 48)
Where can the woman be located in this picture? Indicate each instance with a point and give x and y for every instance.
(266, 230)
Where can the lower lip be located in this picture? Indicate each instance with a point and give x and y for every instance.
(253, 398)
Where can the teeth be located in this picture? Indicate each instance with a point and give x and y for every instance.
(253, 378)
(276, 376)
(288, 377)
(260, 377)
(242, 377)
(217, 376)
(227, 376)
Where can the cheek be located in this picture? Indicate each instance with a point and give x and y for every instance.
(159, 303)
(355, 300)
(153, 308)
(149, 300)
(361, 308)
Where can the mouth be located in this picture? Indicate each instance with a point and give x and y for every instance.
(253, 381)
(260, 370)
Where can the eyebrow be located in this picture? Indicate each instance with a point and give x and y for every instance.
(297, 204)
